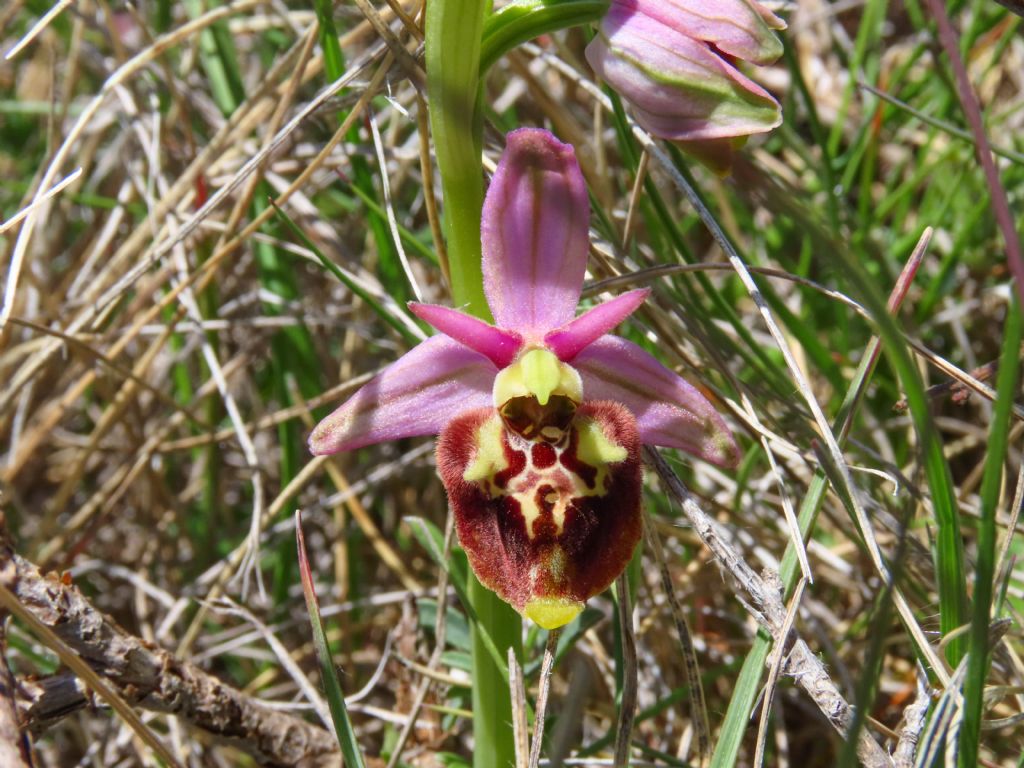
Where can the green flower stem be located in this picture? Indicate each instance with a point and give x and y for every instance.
(462, 41)
(492, 704)
(524, 20)
(453, 34)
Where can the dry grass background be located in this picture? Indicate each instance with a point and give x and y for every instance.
(168, 340)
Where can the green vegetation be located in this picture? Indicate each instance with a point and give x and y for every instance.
(230, 265)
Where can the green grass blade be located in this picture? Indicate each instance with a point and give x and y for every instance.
(978, 656)
(741, 704)
(408, 237)
(464, 583)
(332, 687)
(390, 269)
(217, 53)
(866, 48)
(327, 34)
(942, 125)
(948, 555)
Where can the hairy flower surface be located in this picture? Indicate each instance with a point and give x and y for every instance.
(542, 414)
(673, 60)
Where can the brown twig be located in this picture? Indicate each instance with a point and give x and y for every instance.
(958, 392)
(543, 689)
(14, 747)
(151, 678)
(913, 723)
(405, 59)
(70, 658)
(775, 669)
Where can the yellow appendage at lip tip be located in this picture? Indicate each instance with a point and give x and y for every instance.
(552, 612)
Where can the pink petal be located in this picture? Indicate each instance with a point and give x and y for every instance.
(679, 88)
(418, 394)
(569, 340)
(741, 28)
(669, 411)
(535, 234)
(499, 345)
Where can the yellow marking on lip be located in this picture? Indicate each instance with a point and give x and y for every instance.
(595, 448)
(489, 458)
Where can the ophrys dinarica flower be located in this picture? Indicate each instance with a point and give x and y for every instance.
(542, 414)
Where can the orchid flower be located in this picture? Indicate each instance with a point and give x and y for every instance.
(674, 62)
(541, 415)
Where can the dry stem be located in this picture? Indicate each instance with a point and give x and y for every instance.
(767, 607)
(151, 678)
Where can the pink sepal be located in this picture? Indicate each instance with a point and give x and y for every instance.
(669, 411)
(418, 394)
(679, 87)
(740, 28)
(534, 234)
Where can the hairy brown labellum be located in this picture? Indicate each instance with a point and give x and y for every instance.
(545, 525)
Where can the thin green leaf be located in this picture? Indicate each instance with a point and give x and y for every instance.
(991, 485)
(327, 33)
(332, 686)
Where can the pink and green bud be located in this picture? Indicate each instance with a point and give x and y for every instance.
(743, 29)
(541, 415)
(673, 61)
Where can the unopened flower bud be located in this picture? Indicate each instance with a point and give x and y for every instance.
(673, 61)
